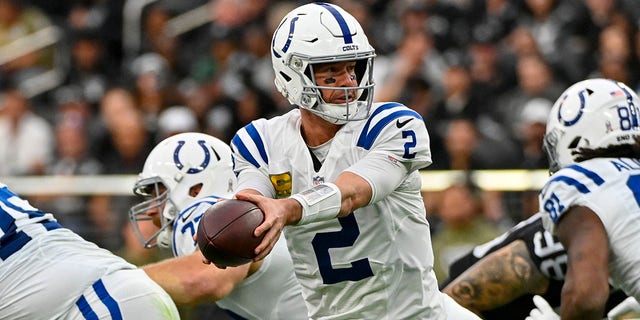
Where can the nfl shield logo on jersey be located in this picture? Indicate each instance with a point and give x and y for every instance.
(318, 180)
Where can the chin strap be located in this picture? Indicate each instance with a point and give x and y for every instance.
(164, 239)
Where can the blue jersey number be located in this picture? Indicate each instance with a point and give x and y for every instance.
(634, 184)
(191, 226)
(410, 144)
(346, 237)
(628, 115)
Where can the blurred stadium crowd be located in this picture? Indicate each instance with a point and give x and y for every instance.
(88, 87)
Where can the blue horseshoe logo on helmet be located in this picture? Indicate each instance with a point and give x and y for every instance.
(202, 166)
(285, 48)
(573, 121)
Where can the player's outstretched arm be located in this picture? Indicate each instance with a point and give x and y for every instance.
(586, 287)
(325, 201)
(190, 282)
(497, 279)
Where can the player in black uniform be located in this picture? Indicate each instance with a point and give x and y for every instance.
(498, 279)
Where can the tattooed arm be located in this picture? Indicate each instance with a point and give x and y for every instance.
(498, 279)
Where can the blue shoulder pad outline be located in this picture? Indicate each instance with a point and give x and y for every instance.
(257, 141)
(374, 126)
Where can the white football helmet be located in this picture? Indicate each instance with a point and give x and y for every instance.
(593, 113)
(321, 33)
(176, 165)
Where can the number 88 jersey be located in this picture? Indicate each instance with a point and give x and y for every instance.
(610, 187)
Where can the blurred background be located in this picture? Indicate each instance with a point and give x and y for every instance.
(87, 87)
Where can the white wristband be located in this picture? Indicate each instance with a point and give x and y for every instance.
(319, 203)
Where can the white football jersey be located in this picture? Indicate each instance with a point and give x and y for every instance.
(376, 263)
(49, 272)
(611, 188)
(270, 293)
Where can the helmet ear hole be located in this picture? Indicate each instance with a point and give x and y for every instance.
(195, 190)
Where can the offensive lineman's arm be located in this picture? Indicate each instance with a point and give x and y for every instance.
(586, 287)
(497, 279)
(189, 281)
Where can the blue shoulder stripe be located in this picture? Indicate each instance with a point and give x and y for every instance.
(242, 149)
(590, 174)
(368, 136)
(257, 140)
(572, 182)
(107, 300)
(85, 309)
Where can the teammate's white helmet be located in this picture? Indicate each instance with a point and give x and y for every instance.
(173, 167)
(594, 113)
(320, 33)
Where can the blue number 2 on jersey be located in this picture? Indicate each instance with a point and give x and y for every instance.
(346, 237)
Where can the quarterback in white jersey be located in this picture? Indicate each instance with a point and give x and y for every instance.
(178, 175)
(49, 272)
(342, 173)
(592, 200)
(377, 260)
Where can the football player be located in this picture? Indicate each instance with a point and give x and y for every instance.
(49, 272)
(498, 279)
(341, 172)
(183, 176)
(592, 200)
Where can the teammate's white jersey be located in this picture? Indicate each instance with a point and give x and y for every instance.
(49, 272)
(270, 293)
(376, 263)
(611, 188)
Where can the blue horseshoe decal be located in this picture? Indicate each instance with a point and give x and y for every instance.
(573, 121)
(292, 28)
(203, 165)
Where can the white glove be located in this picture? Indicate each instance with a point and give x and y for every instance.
(542, 311)
(628, 305)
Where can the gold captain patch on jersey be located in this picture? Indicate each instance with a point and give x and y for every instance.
(282, 184)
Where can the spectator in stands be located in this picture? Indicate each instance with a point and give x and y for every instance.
(156, 38)
(115, 102)
(72, 158)
(461, 225)
(531, 125)
(152, 86)
(548, 22)
(465, 148)
(17, 20)
(535, 80)
(615, 57)
(122, 142)
(27, 144)
(458, 100)
(92, 69)
(176, 119)
(131, 141)
(409, 61)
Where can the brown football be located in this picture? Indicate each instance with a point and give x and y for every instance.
(225, 232)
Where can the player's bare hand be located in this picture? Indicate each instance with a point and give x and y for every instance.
(276, 215)
(206, 261)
